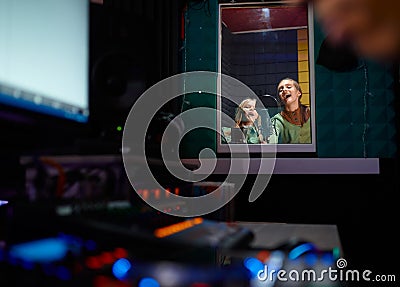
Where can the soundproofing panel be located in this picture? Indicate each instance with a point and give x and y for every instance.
(355, 113)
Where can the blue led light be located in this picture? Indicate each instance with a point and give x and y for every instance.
(253, 265)
(148, 282)
(299, 250)
(121, 267)
(40, 251)
(3, 202)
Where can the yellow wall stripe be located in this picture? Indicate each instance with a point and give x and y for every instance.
(303, 65)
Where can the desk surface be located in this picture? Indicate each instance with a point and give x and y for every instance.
(270, 235)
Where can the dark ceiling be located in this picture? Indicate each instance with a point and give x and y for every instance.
(263, 18)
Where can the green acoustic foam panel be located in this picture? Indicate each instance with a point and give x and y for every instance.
(360, 119)
(200, 54)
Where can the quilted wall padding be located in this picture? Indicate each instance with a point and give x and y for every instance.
(355, 114)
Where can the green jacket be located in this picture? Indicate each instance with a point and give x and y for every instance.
(288, 133)
(251, 135)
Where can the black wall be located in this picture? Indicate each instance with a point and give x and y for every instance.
(133, 45)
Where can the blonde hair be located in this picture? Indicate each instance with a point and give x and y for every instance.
(240, 117)
(240, 113)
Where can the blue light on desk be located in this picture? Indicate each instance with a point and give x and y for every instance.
(121, 267)
(148, 282)
(301, 249)
(253, 265)
(40, 251)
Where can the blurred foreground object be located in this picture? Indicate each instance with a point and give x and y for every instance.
(371, 27)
